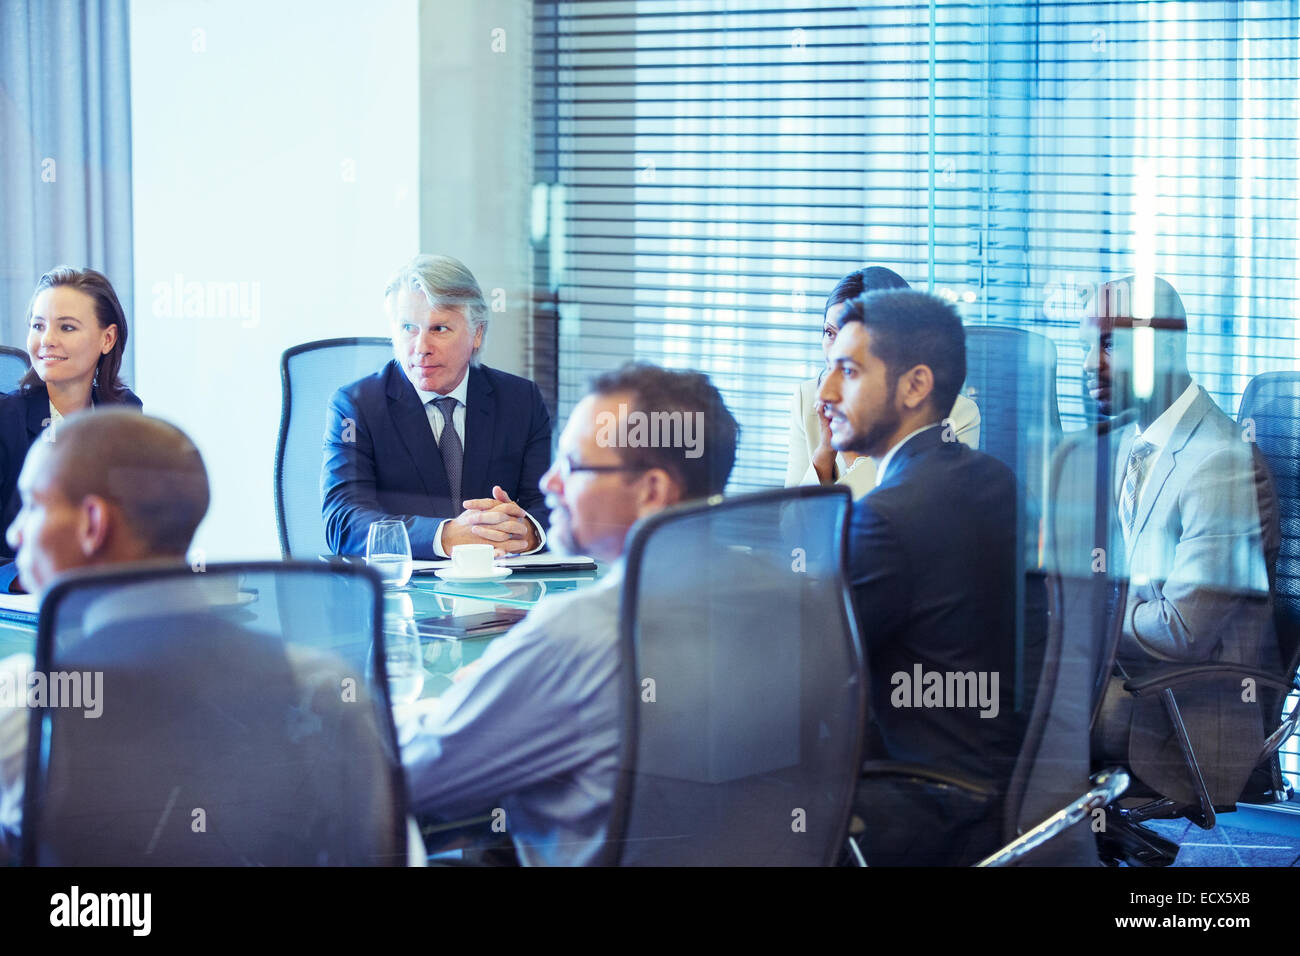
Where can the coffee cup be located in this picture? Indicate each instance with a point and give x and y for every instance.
(472, 560)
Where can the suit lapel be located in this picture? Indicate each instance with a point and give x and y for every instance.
(412, 424)
(915, 446)
(1155, 481)
(38, 411)
(480, 413)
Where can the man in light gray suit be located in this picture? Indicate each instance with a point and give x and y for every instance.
(1197, 533)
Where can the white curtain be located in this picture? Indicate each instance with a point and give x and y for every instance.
(65, 163)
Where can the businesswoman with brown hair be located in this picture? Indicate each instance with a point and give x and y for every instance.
(76, 336)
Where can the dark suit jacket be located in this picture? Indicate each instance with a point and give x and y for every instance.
(386, 462)
(932, 564)
(24, 413)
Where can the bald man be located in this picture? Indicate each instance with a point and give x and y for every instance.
(110, 488)
(104, 488)
(1197, 533)
(117, 489)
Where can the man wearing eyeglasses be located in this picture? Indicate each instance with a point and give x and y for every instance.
(531, 736)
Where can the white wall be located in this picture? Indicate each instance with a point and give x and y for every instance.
(476, 160)
(275, 146)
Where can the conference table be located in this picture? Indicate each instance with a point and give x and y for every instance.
(430, 597)
(425, 597)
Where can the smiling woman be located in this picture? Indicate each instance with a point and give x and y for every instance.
(76, 335)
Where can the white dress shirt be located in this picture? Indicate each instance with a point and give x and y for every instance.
(461, 394)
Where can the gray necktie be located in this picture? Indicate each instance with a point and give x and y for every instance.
(1137, 469)
(449, 444)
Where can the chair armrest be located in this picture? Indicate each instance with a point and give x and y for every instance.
(1107, 787)
(1194, 673)
(947, 778)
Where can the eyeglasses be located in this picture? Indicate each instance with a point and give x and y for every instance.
(568, 466)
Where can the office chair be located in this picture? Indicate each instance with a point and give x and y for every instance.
(1126, 838)
(1085, 587)
(1011, 376)
(1270, 409)
(310, 374)
(743, 693)
(14, 364)
(211, 725)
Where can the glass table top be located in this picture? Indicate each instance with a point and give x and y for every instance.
(425, 597)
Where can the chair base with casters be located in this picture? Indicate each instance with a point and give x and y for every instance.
(1126, 838)
(1127, 841)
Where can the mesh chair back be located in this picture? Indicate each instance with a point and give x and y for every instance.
(1084, 593)
(1011, 376)
(743, 687)
(14, 364)
(1271, 409)
(309, 375)
(197, 719)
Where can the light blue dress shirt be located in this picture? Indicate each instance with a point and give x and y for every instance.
(533, 731)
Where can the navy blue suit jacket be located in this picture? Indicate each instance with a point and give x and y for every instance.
(24, 413)
(932, 563)
(386, 463)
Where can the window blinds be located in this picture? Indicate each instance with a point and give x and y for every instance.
(710, 168)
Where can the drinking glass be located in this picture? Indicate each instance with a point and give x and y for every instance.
(403, 660)
(388, 551)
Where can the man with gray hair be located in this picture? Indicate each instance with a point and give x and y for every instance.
(448, 446)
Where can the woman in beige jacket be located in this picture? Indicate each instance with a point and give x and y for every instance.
(812, 460)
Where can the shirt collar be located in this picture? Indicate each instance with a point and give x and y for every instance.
(1159, 431)
(460, 392)
(883, 467)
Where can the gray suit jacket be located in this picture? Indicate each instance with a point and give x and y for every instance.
(1199, 564)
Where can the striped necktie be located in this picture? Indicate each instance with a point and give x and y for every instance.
(453, 454)
(1138, 458)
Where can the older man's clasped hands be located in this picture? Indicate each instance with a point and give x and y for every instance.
(497, 520)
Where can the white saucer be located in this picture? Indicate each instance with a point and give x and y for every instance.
(451, 577)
